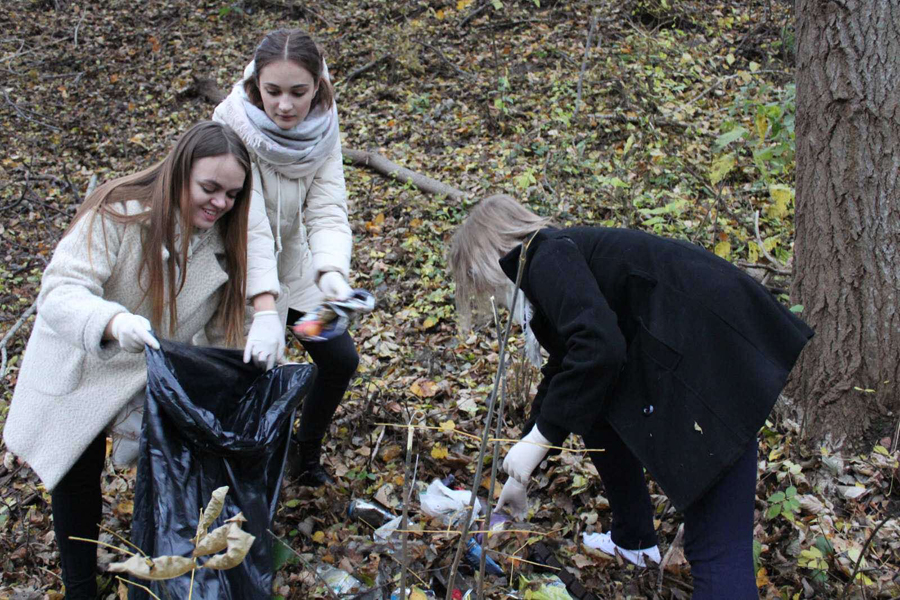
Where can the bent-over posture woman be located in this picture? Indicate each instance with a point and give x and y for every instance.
(300, 240)
(662, 354)
(165, 249)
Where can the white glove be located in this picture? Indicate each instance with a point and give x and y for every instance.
(514, 498)
(132, 332)
(526, 455)
(265, 342)
(334, 287)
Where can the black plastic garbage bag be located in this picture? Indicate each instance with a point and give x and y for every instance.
(211, 420)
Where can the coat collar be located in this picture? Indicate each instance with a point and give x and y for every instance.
(510, 262)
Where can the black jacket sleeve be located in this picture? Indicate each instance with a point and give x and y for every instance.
(566, 292)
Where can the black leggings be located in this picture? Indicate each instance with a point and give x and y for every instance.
(77, 507)
(336, 361)
(718, 528)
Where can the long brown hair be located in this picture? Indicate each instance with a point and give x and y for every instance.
(164, 188)
(298, 47)
(495, 226)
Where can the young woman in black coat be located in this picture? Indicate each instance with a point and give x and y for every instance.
(661, 353)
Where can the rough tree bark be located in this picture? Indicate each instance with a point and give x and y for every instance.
(846, 268)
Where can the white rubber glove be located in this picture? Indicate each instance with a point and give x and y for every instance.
(132, 332)
(265, 342)
(526, 455)
(334, 287)
(514, 498)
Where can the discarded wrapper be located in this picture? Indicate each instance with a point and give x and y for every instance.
(331, 319)
(371, 513)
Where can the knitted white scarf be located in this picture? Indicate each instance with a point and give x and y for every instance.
(295, 152)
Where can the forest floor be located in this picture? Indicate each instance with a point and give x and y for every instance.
(674, 117)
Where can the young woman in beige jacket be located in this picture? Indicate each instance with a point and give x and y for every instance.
(179, 225)
(299, 241)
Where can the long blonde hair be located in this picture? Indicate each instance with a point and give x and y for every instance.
(493, 228)
(165, 189)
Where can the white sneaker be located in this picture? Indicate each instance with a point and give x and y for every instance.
(603, 542)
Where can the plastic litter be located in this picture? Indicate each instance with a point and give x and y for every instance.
(387, 530)
(541, 554)
(338, 580)
(331, 319)
(547, 587)
(473, 558)
(498, 523)
(448, 505)
(409, 593)
(210, 421)
(369, 512)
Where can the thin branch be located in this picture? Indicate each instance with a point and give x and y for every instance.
(138, 585)
(501, 367)
(404, 519)
(762, 246)
(78, 26)
(584, 63)
(862, 554)
(23, 113)
(655, 121)
(676, 543)
(440, 54)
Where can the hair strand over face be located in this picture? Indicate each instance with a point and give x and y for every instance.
(164, 189)
(493, 228)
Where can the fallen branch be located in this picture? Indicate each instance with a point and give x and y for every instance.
(380, 164)
(359, 71)
(10, 334)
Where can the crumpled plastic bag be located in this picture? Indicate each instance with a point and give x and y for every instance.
(448, 505)
(210, 421)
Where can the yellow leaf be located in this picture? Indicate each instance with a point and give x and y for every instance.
(463, 4)
(762, 126)
(752, 252)
(762, 578)
(782, 195)
(721, 167)
(319, 537)
(429, 322)
(417, 594)
(448, 425)
(730, 58)
(379, 219)
(723, 249)
(438, 452)
(423, 388)
(439, 15)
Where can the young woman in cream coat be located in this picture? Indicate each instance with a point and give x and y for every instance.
(300, 241)
(108, 283)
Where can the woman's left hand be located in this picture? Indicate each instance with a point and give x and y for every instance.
(334, 287)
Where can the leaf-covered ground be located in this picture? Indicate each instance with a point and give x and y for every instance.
(672, 116)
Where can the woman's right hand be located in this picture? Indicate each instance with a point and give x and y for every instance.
(265, 342)
(132, 332)
(514, 498)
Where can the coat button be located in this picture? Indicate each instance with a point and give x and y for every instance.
(648, 410)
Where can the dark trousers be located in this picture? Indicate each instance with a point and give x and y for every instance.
(336, 361)
(77, 507)
(718, 528)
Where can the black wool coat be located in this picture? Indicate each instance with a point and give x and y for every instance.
(683, 353)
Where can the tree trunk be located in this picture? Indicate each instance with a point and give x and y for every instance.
(846, 267)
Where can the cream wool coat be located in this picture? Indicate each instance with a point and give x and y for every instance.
(72, 383)
(298, 230)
